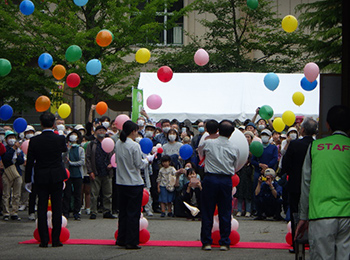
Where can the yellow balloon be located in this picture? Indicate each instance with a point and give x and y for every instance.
(289, 23)
(288, 117)
(278, 124)
(298, 98)
(142, 55)
(64, 110)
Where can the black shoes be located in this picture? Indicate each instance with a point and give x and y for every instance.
(132, 247)
(93, 216)
(59, 244)
(108, 215)
(77, 217)
(42, 245)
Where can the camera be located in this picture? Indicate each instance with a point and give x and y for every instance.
(263, 178)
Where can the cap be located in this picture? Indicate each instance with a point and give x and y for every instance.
(270, 171)
(80, 127)
(251, 124)
(150, 125)
(241, 127)
(283, 136)
(249, 133)
(9, 133)
(292, 129)
(266, 131)
(30, 128)
(100, 127)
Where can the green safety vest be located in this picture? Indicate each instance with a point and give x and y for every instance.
(330, 178)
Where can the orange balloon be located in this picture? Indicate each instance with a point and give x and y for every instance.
(42, 103)
(104, 38)
(101, 108)
(59, 72)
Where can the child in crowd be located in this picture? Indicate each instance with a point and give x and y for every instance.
(192, 190)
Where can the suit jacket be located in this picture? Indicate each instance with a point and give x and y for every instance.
(45, 155)
(293, 160)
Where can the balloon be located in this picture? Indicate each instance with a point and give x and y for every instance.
(154, 101)
(289, 238)
(160, 150)
(113, 162)
(278, 124)
(116, 235)
(107, 144)
(146, 145)
(240, 142)
(201, 57)
(45, 61)
(93, 67)
(19, 125)
(165, 74)
(142, 55)
(235, 180)
(307, 85)
(144, 236)
(289, 227)
(145, 197)
(186, 151)
(36, 235)
(101, 108)
(298, 98)
(24, 146)
(216, 211)
(6, 112)
(120, 120)
(234, 224)
(234, 237)
(5, 67)
(311, 71)
(234, 190)
(80, 2)
(271, 81)
(252, 4)
(73, 53)
(215, 236)
(64, 110)
(42, 104)
(288, 118)
(59, 72)
(104, 38)
(266, 112)
(64, 222)
(64, 236)
(289, 23)
(215, 226)
(26, 7)
(143, 223)
(256, 148)
(73, 80)
(68, 175)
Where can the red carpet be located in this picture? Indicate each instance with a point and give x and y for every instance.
(253, 245)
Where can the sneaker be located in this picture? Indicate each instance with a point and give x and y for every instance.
(93, 216)
(108, 215)
(87, 211)
(162, 215)
(239, 214)
(170, 214)
(224, 247)
(247, 214)
(15, 217)
(22, 207)
(6, 218)
(31, 216)
(149, 214)
(206, 247)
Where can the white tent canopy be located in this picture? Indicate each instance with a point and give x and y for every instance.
(220, 96)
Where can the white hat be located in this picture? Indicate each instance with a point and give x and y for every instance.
(270, 171)
(266, 131)
(292, 129)
(29, 128)
(80, 127)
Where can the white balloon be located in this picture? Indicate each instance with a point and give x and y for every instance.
(143, 223)
(289, 227)
(215, 226)
(49, 218)
(234, 190)
(64, 221)
(36, 223)
(49, 214)
(216, 218)
(241, 143)
(234, 224)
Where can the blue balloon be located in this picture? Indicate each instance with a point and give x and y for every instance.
(307, 85)
(45, 61)
(93, 67)
(146, 145)
(80, 2)
(186, 151)
(6, 112)
(19, 125)
(26, 7)
(271, 81)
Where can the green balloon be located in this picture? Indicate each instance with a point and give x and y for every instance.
(252, 4)
(256, 148)
(5, 67)
(73, 53)
(266, 112)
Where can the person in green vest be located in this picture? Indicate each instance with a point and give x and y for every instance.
(325, 190)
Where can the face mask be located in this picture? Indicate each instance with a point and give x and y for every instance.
(261, 127)
(184, 129)
(61, 127)
(138, 139)
(101, 136)
(186, 168)
(148, 134)
(11, 142)
(293, 136)
(265, 139)
(105, 124)
(172, 138)
(60, 132)
(166, 129)
(28, 136)
(73, 138)
(140, 122)
(201, 129)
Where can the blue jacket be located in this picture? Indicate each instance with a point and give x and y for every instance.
(269, 157)
(7, 158)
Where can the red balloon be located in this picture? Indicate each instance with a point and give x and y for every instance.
(65, 234)
(116, 235)
(68, 175)
(215, 236)
(216, 212)
(36, 235)
(160, 150)
(73, 80)
(56, 132)
(289, 238)
(145, 197)
(234, 237)
(144, 236)
(165, 74)
(235, 180)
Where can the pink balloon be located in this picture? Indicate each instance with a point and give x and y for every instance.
(24, 146)
(201, 57)
(120, 120)
(154, 101)
(113, 162)
(107, 144)
(165, 74)
(311, 71)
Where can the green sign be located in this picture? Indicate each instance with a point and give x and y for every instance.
(137, 103)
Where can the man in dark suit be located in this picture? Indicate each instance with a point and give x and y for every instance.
(292, 164)
(45, 155)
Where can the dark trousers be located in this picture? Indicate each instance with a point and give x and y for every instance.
(217, 190)
(271, 207)
(130, 200)
(73, 187)
(32, 200)
(54, 190)
(294, 198)
(154, 191)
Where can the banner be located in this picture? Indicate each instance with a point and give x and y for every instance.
(137, 103)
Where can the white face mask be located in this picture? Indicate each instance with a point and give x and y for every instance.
(265, 139)
(149, 134)
(11, 142)
(140, 122)
(184, 129)
(61, 127)
(60, 132)
(166, 129)
(293, 136)
(261, 127)
(28, 136)
(138, 139)
(186, 168)
(73, 138)
(105, 124)
(172, 138)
